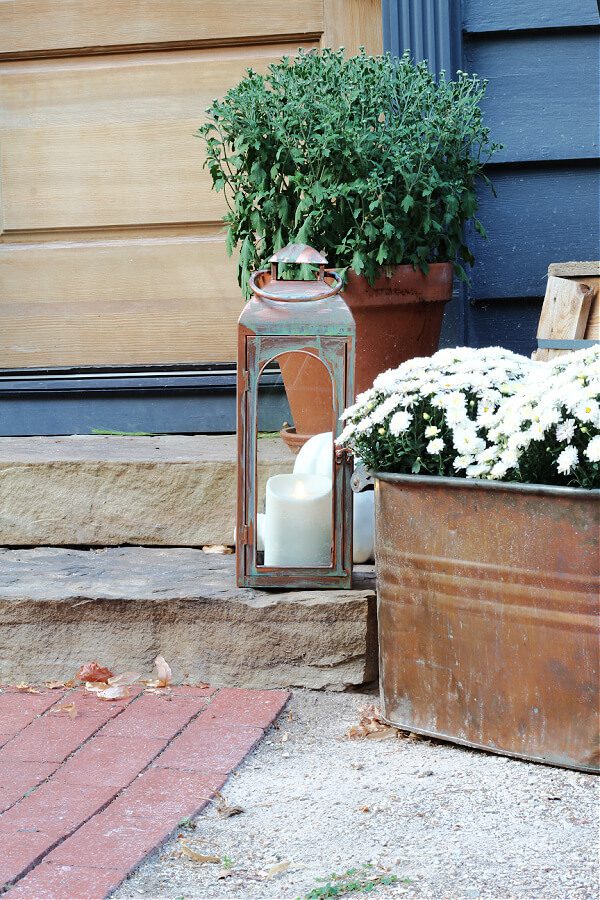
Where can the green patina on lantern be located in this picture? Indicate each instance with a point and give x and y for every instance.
(286, 317)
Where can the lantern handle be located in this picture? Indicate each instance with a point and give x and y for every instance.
(322, 295)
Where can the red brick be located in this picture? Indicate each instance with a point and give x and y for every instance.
(58, 882)
(18, 710)
(168, 794)
(157, 715)
(112, 760)
(16, 778)
(244, 707)
(18, 851)
(207, 747)
(56, 807)
(52, 737)
(111, 839)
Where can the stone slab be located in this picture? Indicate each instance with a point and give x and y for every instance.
(107, 490)
(62, 607)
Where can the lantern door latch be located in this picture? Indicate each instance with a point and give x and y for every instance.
(245, 533)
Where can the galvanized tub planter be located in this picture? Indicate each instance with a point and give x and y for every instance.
(488, 615)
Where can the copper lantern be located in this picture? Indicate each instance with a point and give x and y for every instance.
(295, 531)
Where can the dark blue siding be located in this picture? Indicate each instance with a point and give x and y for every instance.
(540, 97)
(542, 214)
(512, 15)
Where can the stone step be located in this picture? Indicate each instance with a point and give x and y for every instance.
(100, 490)
(60, 608)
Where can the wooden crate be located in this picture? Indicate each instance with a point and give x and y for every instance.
(570, 317)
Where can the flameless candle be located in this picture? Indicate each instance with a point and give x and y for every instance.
(298, 521)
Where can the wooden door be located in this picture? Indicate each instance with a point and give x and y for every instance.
(111, 248)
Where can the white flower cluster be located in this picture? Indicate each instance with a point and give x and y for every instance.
(483, 413)
(452, 381)
(557, 409)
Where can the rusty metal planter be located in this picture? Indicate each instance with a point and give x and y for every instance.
(488, 615)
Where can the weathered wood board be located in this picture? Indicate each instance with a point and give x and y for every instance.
(111, 243)
(564, 314)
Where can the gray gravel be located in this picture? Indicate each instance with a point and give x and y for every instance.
(457, 823)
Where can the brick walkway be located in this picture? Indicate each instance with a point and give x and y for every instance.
(83, 800)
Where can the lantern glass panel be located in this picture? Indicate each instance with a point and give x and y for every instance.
(295, 500)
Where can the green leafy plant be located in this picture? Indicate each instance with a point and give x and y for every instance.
(370, 159)
(355, 880)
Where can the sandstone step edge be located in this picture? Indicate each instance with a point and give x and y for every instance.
(62, 607)
(98, 490)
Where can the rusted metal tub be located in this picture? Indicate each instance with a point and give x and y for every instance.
(488, 615)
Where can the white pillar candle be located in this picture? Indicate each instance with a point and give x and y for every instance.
(298, 521)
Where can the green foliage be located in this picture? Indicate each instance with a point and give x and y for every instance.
(356, 880)
(369, 159)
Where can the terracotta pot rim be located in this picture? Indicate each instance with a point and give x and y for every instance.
(471, 483)
(407, 267)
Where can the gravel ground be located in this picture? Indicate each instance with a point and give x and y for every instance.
(457, 823)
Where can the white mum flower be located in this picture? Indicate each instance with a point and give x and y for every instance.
(476, 470)
(400, 421)
(435, 446)
(466, 441)
(566, 430)
(382, 411)
(587, 410)
(431, 431)
(567, 460)
(536, 431)
(592, 451)
(462, 462)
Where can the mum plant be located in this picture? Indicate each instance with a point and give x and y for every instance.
(483, 414)
(370, 159)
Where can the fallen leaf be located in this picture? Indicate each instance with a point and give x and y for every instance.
(285, 737)
(54, 685)
(26, 688)
(114, 692)
(95, 686)
(94, 672)
(365, 809)
(225, 811)
(217, 548)
(69, 708)
(163, 672)
(225, 873)
(198, 857)
(371, 726)
(201, 684)
(278, 869)
(125, 678)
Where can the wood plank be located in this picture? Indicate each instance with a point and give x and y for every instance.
(556, 73)
(353, 24)
(41, 26)
(508, 15)
(574, 269)
(564, 313)
(118, 302)
(110, 141)
(539, 215)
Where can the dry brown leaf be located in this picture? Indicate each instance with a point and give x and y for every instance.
(114, 692)
(201, 684)
(26, 688)
(69, 708)
(94, 672)
(217, 548)
(198, 857)
(125, 678)
(95, 686)
(54, 685)
(163, 672)
(225, 811)
(371, 725)
(278, 869)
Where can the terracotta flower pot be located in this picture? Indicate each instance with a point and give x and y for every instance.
(400, 317)
(488, 614)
